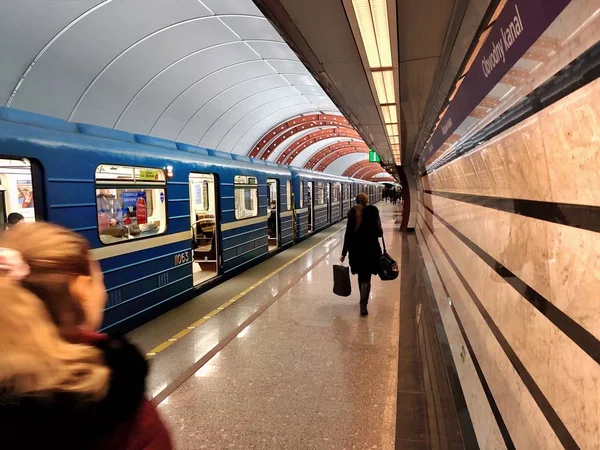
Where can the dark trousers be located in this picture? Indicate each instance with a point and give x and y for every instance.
(364, 287)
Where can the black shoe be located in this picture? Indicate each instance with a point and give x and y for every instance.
(363, 310)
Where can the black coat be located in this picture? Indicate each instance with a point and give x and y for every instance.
(123, 420)
(362, 243)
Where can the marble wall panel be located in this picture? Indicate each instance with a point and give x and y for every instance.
(554, 156)
(571, 136)
(505, 384)
(482, 417)
(534, 339)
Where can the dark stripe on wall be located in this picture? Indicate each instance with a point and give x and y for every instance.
(561, 431)
(486, 387)
(579, 335)
(577, 216)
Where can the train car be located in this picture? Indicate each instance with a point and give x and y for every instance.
(166, 220)
(320, 200)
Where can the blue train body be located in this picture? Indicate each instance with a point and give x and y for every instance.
(147, 276)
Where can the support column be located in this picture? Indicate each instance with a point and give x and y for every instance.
(409, 191)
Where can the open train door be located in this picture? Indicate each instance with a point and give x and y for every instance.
(204, 227)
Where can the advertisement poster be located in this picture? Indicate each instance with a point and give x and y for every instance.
(140, 211)
(25, 193)
(129, 202)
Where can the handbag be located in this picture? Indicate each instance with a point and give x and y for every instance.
(388, 267)
(341, 281)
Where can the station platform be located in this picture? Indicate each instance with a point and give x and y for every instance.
(272, 359)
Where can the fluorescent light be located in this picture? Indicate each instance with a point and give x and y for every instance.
(384, 85)
(382, 31)
(394, 140)
(367, 31)
(389, 113)
(392, 129)
(375, 31)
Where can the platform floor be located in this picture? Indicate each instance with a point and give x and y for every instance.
(288, 365)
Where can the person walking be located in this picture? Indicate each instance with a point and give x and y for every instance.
(63, 384)
(361, 243)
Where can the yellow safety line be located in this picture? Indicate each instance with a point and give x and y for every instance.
(159, 348)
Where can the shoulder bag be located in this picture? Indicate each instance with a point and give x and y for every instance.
(388, 268)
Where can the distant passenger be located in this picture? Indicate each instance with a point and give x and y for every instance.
(107, 204)
(14, 219)
(64, 385)
(361, 241)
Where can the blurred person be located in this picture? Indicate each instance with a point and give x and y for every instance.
(64, 385)
(361, 242)
(14, 219)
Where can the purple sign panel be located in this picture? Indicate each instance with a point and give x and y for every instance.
(518, 27)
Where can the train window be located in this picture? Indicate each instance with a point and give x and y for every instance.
(302, 194)
(288, 190)
(337, 187)
(246, 197)
(130, 203)
(320, 193)
(16, 192)
(346, 192)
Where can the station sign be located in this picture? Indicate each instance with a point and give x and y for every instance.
(517, 28)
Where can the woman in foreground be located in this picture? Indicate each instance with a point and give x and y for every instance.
(361, 241)
(64, 385)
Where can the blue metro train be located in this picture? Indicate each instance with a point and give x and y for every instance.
(165, 219)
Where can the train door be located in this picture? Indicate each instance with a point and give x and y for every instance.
(203, 218)
(311, 206)
(273, 209)
(328, 200)
(16, 192)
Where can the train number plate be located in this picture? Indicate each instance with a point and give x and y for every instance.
(182, 258)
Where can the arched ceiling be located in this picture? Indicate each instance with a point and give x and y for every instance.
(213, 73)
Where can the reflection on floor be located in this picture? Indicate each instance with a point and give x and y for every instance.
(200, 276)
(309, 372)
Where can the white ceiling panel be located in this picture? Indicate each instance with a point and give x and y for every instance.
(180, 111)
(213, 72)
(310, 90)
(291, 67)
(301, 80)
(18, 49)
(152, 100)
(198, 125)
(273, 50)
(252, 28)
(230, 140)
(267, 123)
(109, 94)
(339, 166)
(80, 52)
(243, 7)
(233, 115)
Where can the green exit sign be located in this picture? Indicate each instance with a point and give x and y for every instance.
(374, 157)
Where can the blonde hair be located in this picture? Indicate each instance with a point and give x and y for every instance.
(39, 316)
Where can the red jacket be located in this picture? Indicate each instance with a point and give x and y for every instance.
(123, 420)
